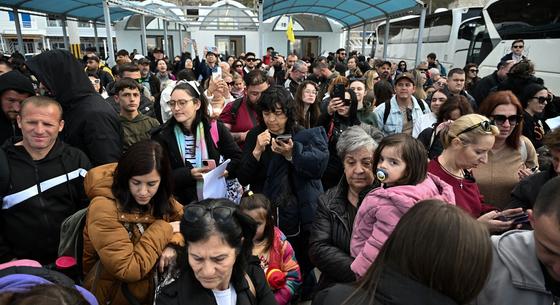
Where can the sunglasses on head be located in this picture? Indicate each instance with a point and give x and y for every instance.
(194, 212)
(543, 99)
(484, 125)
(500, 119)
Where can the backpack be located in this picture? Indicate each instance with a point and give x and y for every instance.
(235, 108)
(72, 236)
(388, 109)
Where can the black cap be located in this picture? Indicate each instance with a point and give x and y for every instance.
(143, 61)
(157, 50)
(15, 80)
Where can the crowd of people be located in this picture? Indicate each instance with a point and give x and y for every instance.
(350, 180)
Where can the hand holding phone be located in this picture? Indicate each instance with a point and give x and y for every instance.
(210, 163)
(284, 138)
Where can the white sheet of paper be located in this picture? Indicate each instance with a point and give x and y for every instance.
(553, 122)
(214, 183)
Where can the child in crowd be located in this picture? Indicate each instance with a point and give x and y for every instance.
(401, 167)
(237, 88)
(277, 257)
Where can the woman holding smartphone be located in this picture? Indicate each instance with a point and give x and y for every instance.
(193, 143)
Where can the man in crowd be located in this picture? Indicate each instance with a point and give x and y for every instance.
(240, 116)
(340, 56)
(456, 85)
(277, 69)
(93, 66)
(149, 80)
(123, 57)
(434, 63)
(90, 124)
(209, 65)
(516, 54)
(267, 59)
(296, 76)
(484, 86)
(403, 108)
(324, 76)
(45, 184)
(526, 264)
(158, 54)
(14, 88)
(290, 61)
(133, 72)
(4, 66)
(384, 70)
(250, 64)
(136, 126)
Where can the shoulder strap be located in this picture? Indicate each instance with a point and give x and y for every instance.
(251, 285)
(432, 138)
(235, 108)
(523, 151)
(421, 103)
(214, 132)
(387, 111)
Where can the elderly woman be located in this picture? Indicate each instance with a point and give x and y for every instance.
(219, 268)
(285, 162)
(512, 157)
(336, 209)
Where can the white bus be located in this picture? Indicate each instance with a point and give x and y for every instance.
(537, 22)
(441, 36)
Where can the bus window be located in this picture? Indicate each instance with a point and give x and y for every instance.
(440, 29)
(526, 19)
(481, 44)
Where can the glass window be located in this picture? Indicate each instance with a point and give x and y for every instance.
(526, 19)
(439, 27)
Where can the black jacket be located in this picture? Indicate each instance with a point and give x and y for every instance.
(8, 128)
(484, 87)
(292, 186)
(534, 128)
(90, 124)
(329, 244)
(184, 184)
(392, 289)
(525, 193)
(31, 228)
(187, 290)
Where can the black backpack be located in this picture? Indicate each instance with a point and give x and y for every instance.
(235, 108)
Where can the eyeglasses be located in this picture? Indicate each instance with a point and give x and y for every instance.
(484, 125)
(543, 99)
(314, 92)
(518, 47)
(180, 103)
(250, 59)
(473, 70)
(343, 54)
(194, 212)
(500, 119)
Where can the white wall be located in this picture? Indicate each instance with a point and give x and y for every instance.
(208, 38)
(130, 40)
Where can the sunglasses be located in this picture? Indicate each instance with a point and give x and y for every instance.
(409, 114)
(423, 70)
(250, 59)
(500, 119)
(543, 99)
(473, 70)
(194, 212)
(518, 47)
(484, 125)
(237, 66)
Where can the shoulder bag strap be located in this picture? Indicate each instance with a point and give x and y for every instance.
(251, 285)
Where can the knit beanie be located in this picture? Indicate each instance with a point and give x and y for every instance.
(15, 80)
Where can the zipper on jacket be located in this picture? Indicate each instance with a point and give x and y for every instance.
(41, 201)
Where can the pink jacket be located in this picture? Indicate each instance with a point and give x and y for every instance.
(380, 212)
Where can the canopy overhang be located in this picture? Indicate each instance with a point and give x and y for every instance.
(350, 13)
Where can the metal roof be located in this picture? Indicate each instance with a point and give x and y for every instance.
(350, 13)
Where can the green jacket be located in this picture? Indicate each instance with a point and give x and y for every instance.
(136, 130)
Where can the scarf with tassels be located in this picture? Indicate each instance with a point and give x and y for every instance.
(201, 151)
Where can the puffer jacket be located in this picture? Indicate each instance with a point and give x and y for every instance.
(115, 249)
(380, 212)
(329, 243)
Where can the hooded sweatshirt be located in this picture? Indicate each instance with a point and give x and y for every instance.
(90, 124)
(380, 212)
(18, 82)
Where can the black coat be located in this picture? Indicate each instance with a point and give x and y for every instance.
(329, 244)
(184, 184)
(8, 128)
(525, 193)
(534, 128)
(187, 290)
(484, 87)
(31, 228)
(392, 289)
(293, 186)
(89, 123)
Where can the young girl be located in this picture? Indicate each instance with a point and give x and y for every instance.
(401, 166)
(277, 257)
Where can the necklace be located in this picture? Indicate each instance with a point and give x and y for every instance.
(459, 178)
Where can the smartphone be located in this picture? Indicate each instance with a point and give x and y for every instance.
(217, 73)
(284, 138)
(519, 218)
(338, 91)
(210, 163)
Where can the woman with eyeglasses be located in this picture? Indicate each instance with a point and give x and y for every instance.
(285, 162)
(193, 143)
(132, 225)
(218, 266)
(534, 98)
(466, 144)
(307, 104)
(512, 157)
(471, 76)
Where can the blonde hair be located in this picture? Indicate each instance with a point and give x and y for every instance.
(457, 128)
(369, 76)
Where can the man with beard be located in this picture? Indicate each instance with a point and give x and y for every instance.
(14, 88)
(384, 70)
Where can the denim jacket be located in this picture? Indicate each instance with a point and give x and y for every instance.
(394, 122)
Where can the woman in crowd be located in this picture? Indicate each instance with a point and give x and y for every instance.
(329, 244)
(534, 98)
(427, 120)
(420, 80)
(218, 265)
(466, 143)
(471, 76)
(353, 70)
(401, 67)
(188, 140)
(132, 225)
(189, 66)
(365, 110)
(307, 104)
(96, 82)
(512, 157)
(163, 74)
(237, 67)
(285, 162)
(455, 107)
(371, 78)
(276, 255)
(230, 60)
(401, 166)
(405, 272)
(383, 91)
